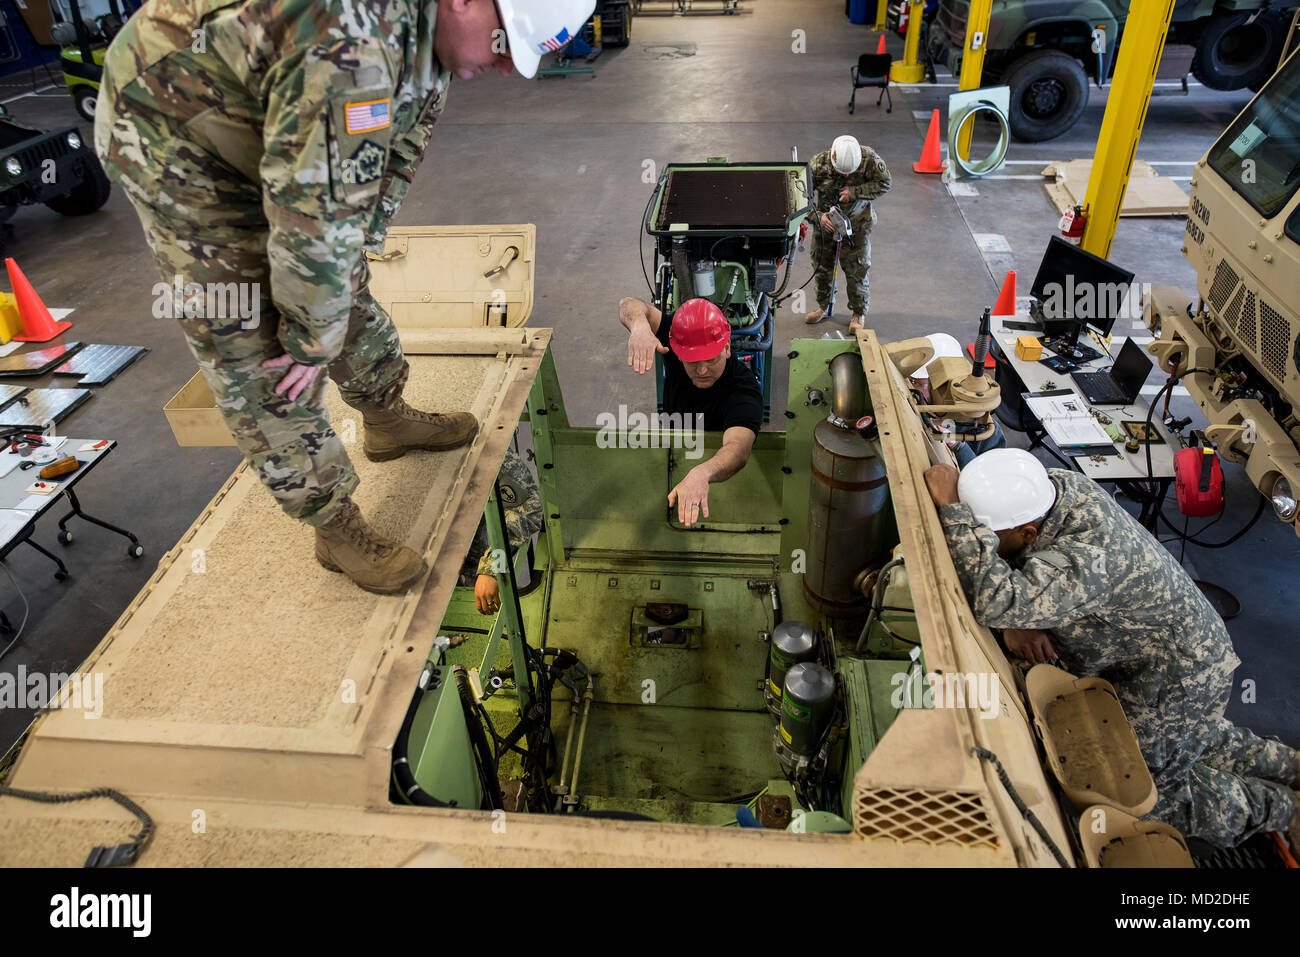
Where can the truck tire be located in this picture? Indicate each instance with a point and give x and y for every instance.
(1049, 91)
(1232, 54)
(88, 195)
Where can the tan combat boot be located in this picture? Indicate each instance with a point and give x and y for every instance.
(393, 431)
(816, 316)
(347, 544)
(857, 323)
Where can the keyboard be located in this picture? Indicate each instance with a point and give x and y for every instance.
(1099, 388)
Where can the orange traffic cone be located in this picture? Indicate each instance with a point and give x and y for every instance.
(930, 161)
(880, 47)
(38, 324)
(1006, 304)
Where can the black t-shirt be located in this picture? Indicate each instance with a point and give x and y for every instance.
(736, 399)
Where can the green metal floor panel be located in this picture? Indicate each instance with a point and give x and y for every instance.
(675, 755)
(591, 613)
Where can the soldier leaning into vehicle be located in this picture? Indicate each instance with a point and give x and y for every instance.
(1052, 559)
(522, 504)
(269, 144)
(850, 176)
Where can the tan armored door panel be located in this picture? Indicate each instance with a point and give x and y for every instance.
(437, 277)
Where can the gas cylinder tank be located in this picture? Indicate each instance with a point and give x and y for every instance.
(847, 506)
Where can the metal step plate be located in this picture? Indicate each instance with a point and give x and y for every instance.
(100, 364)
(40, 407)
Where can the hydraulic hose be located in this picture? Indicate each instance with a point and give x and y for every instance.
(403, 777)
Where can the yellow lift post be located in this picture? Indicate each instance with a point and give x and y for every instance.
(882, 10)
(972, 63)
(1121, 127)
(910, 69)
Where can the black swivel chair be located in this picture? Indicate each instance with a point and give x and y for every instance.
(872, 70)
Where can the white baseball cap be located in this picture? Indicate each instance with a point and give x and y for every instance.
(1006, 488)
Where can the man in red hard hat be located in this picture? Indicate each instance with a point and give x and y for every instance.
(701, 378)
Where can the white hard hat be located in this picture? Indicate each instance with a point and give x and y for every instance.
(538, 27)
(1006, 488)
(846, 154)
(945, 346)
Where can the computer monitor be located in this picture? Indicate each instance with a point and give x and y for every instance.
(1074, 288)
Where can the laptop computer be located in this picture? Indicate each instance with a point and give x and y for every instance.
(1120, 384)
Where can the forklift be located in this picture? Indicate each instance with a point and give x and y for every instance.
(83, 43)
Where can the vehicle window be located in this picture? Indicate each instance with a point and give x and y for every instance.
(1259, 155)
(1293, 225)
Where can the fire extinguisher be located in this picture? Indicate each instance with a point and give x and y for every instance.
(1072, 225)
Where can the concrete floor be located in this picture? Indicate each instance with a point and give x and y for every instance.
(571, 154)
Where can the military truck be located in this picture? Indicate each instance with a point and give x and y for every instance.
(1238, 348)
(1046, 51)
(56, 168)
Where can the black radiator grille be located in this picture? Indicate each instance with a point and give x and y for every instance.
(726, 199)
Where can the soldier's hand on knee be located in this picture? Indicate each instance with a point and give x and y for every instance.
(296, 380)
(1030, 644)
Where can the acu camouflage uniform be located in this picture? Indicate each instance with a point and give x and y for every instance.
(869, 181)
(1118, 606)
(271, 142)
(522, 504)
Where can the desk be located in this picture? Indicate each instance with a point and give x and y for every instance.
(16, 503)
(1127, 470)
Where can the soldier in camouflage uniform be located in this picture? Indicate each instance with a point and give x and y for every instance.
(269, 143)
(522, 504)
(1119, 607)
(849, 176)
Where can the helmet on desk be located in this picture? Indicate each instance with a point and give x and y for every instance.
(1006, 488)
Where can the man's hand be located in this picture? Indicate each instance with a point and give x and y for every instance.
(827, 224)
(1030, 644)
(941, 480)
(487, 594)
(296, 380)
(691, 496)
(642, 345)
(844, 195)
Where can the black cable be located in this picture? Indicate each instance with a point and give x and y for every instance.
(101, 856)
(1259, 511)
(640, 236)
(1021, 806)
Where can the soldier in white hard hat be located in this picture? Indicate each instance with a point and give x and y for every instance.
(946, 346)
(1051, 558)
(848, 176)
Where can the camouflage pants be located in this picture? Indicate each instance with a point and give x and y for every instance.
(1224, 784)
(855, 260)
(206, 226)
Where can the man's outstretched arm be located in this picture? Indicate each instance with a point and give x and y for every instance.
(691, 494)
(641, 320)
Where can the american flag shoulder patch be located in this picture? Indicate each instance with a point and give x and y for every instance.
(555, 42)
(368, 117)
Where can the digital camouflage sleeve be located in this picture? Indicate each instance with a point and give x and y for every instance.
(1118, 606)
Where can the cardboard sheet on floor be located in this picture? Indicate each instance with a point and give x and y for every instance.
(1148, 193)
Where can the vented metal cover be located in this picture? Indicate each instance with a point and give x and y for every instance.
(1275, 339)
(1225, 280)
(1232, 315)
(726, 199)
(1249, 325)
(918, 814)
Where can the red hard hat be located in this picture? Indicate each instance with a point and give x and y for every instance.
(699, 331)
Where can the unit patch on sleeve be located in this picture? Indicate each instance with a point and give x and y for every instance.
(367, 163)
